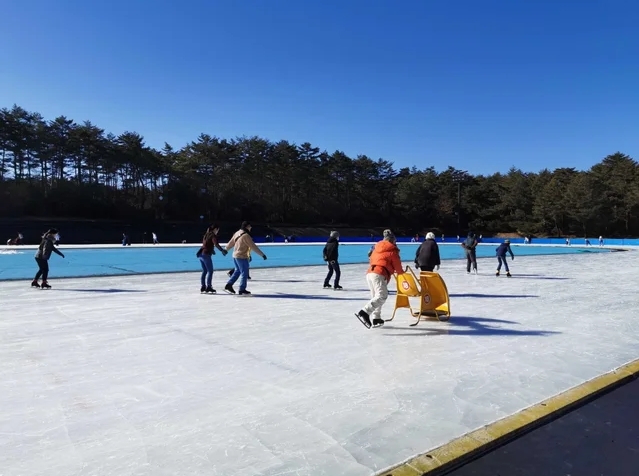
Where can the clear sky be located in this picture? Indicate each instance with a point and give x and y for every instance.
(479, 85)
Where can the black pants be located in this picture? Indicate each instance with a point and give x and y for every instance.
(427, 268)
(333, 266)
(471, 258)
(43, 270)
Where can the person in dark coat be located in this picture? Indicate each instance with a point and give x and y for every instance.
(331, 256)
(470, 245)
(501, 257)
(427, 256)
(42, 258)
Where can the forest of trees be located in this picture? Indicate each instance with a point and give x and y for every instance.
(59, 168)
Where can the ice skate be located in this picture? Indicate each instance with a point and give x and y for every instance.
(364, 319)
(377, 322)
(203, 289)
(327, 286)
(229, 289)
(509, 275)
(45, 285)
(497, 273)
(244, 292)
(34, 284)
(338, 287)
(210, 290)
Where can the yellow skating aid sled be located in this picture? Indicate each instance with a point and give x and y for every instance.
(431, 291)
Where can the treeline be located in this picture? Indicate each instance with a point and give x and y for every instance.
(60, 168)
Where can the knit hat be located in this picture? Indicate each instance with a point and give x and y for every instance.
(245, 225)
(430, 235)
(388, 235)
(334, 234)
(506, 241)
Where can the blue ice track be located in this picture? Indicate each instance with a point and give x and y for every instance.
(18, 263)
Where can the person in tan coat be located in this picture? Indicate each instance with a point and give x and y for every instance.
(242, 244)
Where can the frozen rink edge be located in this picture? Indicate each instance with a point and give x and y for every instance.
(477, 443)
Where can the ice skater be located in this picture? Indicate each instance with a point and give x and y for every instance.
(242, 244)
(601, 240)
(205, 255)
(155, 238)
(470, 245)
(501, 257)
(42, 258)
(331, 256)
(427, 255)
(384, 262)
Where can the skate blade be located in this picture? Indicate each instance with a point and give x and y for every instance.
(361, 319)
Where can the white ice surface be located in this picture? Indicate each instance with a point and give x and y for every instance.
(165, 381)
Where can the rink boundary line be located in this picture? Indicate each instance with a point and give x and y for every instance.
(471, 446)
(96, 246)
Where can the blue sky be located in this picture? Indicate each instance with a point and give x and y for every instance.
(479, 85)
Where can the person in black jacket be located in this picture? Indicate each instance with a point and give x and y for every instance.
(331, 256)
(501, 257)
(470, 245)
(427, 256)
(42, 258)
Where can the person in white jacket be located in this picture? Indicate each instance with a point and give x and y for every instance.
(242, 244)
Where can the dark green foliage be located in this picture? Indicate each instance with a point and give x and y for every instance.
(61, 168)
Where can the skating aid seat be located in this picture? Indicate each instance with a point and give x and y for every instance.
(432, 292)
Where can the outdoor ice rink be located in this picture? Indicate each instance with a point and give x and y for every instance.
(142, 375)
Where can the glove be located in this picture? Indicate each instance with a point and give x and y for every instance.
(264, 257)
(512, 258)
(62, 256)
(224, 252)
(437, 267)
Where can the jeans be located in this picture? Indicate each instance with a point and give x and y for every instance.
(43, 270)
(207, 269)
(379, 294)
(241, 270)
(502, 260)
(333, 266)
(471, 258)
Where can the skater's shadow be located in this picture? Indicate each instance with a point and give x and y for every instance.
(281, 280)
(307, 297)
(107, 291)
(538, 276)
(500, 296)
(467, 326)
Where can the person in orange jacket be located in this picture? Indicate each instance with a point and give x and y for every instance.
(384, 262)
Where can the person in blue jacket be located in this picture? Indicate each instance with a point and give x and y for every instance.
(501, 257)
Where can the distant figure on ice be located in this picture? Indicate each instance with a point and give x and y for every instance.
(501, 257)
(205, 253)
(125, 240)
(427, 256)
(242, 244)
(601, 240)
(567, 241)
(42, 258)
(15, 241)
(443, 238)
(470, 245)
(457, 238)
(384, 262)
(331, 256)
(587, 242)
(155, 238)
(526, 241)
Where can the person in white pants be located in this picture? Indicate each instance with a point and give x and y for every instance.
(384, 262)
